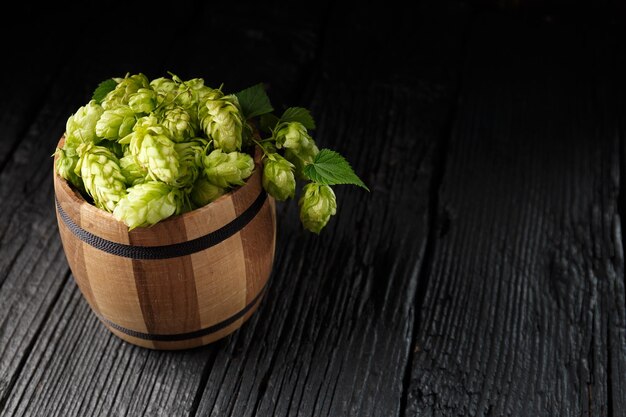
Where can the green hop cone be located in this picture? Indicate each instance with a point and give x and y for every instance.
(165, 89)
(143, 101)
(153, 149)
(317, 204)
(178, 123)
(227, 169)
(102, 175)
(204, 192)
(133, 172)
(294, 136)
(116, 123)
(81, 126)
(163, 85)
(149, 124)
(222, 121)
(66, 166)
(124, 89)
(113, 146)
(158, 154)
(278, 177)
(148, 203)
(300, 148)
(190, 156)
(202, 92)
(184, 97)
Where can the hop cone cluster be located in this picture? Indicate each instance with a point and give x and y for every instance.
(148, 149)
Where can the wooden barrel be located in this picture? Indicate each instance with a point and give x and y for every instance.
(186, 281)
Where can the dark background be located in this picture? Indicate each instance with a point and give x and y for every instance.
(482, 275)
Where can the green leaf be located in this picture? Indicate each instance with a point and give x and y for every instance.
(103, 89)
(298, 114)
(268, 122)
(254, 101)
(330, 168)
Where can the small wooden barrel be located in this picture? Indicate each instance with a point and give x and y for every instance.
(184, 282)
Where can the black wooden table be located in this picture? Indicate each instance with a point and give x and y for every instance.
(483, 275)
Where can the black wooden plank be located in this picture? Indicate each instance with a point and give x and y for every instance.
(523, 314)
(62, 361)
(333, 336)
(370, 315)
(33, 268)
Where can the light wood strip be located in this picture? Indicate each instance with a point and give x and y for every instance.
(72, 247)
(113, 284)
(258, 240)
(220, 275)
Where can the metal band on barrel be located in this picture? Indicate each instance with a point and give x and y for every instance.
(165, 251)
(177, 337)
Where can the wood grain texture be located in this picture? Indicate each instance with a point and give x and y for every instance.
(335, 337)
(127, 384)
(483, 275)
(524, 311)
(174, 295)
(32, 265)
(79, 368)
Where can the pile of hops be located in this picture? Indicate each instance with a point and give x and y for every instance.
(145, 150)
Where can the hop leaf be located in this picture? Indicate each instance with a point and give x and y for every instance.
(330, 168)
(254, 101)
(300, 115)
(268, 122)
(317, 204)
(103, 89)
